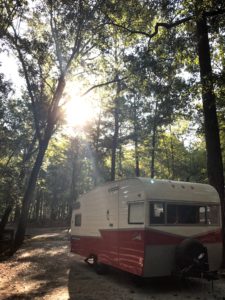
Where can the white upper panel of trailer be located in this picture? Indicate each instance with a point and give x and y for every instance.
(107, 206)
(178, 190)
(140, 188)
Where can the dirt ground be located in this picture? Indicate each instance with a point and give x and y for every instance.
(44, 268)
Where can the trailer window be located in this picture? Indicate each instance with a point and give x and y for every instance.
(136, 213)
(157, 213)
(77, 220)
(186, 214)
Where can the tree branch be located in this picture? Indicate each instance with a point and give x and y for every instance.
(56, 39)
(77, 49)
(30, 150)
(214, 12)
(7, 20)
(167, 25)
(132, 31)
(52, 113)
(78, 39)
(103, 84)
(11, 156)
(156, 28)
(28, 83)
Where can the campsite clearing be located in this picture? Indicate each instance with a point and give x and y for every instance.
(44, 268)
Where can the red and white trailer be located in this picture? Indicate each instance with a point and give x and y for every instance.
(149, 227)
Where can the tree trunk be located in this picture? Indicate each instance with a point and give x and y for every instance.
(43, 145)
(136, 139)
(167, 156)
(172, 155)
(120, 163)
(154, 134)
(96, 156)
(21, 228)
(114, 144)
(37, 206)
(214, 157)
(5, 218)
(54, 205)
(137, 167)
(152, 168)
(74, 176)
(116, 132)
(17, 213)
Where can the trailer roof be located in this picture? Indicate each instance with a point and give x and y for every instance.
(179, 190)
(160, 189)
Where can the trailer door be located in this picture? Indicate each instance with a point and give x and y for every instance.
(112, 220)
(131, 227)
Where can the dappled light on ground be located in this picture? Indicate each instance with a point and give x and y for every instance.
(38, 271)
(46, 236)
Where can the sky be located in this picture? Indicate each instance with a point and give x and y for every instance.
(9, 67)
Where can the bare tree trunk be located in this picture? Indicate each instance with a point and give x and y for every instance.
(96, 156)
(116, 132)
(167, 156)
(5, 218)
(172, 154)
(74, 177)
(17, 213)
(21, 229)
(136, 152)
(114, 142)
(214, 157)
(37, 206)
(154, 134)
(120, 163)
(137, 167)
(54, 205)
(152, 168)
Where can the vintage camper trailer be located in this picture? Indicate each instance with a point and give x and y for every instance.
(149, 227)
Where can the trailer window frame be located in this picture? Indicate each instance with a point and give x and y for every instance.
(209, 217)
(133, 204)
(77, 220)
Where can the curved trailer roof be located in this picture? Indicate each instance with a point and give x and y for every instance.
(179, 190)
(158, 189)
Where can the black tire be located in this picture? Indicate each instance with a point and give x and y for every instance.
(191, 255)
(101, 269)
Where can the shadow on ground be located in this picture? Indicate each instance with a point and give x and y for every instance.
(85, 284)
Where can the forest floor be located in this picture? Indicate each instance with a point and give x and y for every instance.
(44, 268)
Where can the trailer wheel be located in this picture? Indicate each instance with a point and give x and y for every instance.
(191, 255)
(100, 268)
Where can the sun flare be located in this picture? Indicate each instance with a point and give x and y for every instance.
(78, 110)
